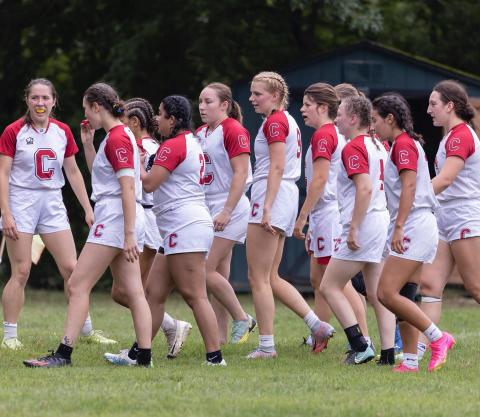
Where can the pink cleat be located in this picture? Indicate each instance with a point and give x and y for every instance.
(321, 337)
(440, 350)
(260, 354)
(402, 369)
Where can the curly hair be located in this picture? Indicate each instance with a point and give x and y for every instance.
(180, 108)
(453, 91)
(274, 83)
(143, 111)
(398, 107)
(106, 96)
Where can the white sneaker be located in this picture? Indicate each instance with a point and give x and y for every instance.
(176, 337)
(12, 343)
(222, 363)
(120, 358)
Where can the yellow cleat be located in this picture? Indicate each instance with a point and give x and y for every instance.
(12, 343)
(97, 336)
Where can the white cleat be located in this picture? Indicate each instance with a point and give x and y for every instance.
(176, 337)
(222, 363)
(120, 358)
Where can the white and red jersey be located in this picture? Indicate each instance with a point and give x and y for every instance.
(37, 154)
(118, 151)
(150, 147)
(228, 140)
(183, 157)
(326, 143)
(407, 153)
(361, 155)
(461, 141)
(278, 127)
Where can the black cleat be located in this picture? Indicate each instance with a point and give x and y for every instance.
(54, 360)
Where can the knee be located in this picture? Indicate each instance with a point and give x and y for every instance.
(383, 295)
(67, 269)
(257, 281)
(117, 294)
(473, 289)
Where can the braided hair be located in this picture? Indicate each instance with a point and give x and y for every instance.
(105, 95)
(362, 108)
(274, 83)
(398, 107)
(143, 111)
(180, 108)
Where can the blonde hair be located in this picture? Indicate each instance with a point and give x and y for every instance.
(274, 83)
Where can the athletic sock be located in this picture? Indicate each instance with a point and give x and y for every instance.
(421, 349)
(387, 356)
(87, 327)
(168, 322)
(433, 333)
(144, 356)
(64, 351)
(214, 357)
(133, 352)
(266, 343)
(9, 330)
(410, 360)
(355, 338)
(312, 321)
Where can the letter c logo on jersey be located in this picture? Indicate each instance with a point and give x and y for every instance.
(403, 157)
(255, 207)
(121, 155)
(353, 162)
(163, 154)
(322, 146)
(453, 144)
(242, 141)
(274, 130)
(320, 244)
(171, 242)
(464, 233)
(406, 243)
(98, 232)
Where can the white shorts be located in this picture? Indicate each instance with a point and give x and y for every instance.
(187, 228)
(38, 211)
(108, 229)
(324, 227)
(152, 235)
(458, 220)
(372, 236)
(236, 228)
(420, 239)
(285, 207)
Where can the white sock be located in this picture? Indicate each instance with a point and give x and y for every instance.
(9, 330)
(87, 326)
(266, 342)
(168, 322)
(421, 348)
(368, 340)
(312, 321)
(410, 360)
(433, 333)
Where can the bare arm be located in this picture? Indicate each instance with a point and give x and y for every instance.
(239, 166)
(407, 197)
(87, 133)
(363, 194)
(8, 222)
(321, 167)
(452, 167)
(130, 249)
(75, 179)
(156, 176)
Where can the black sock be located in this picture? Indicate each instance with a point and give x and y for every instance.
(214, 357)
(64, 351)
(356, 339)
(387, 356)
(144, 356)
(133, 352)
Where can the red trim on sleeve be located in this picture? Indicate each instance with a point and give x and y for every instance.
(235, 138)
(119, 150)
(71, 148)
(460, 142)
(404, 153)
(275, 127)
(355, 157)
(8, 140)
(172, 153)
(324, 142)
(199, 129)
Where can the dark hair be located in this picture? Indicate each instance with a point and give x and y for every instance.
(224, 93)
(345, 90)
(104, 95)
(362, 108)
(322, 93)
(451, 90)
(398, 107)
(27, 118)
(143, 111)
(180, 108)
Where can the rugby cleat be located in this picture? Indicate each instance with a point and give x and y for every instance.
(402, 369)
(241, 330)
(12, 343)
(97, 337)
(321, 337)
(440, 350)
(261, 354)
(121, 358)
(176, 337)
(54, 360)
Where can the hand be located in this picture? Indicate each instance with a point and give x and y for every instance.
(266, 222)
(89, 217)
(298, 228)
(143, 157)
(222, 219)
(130, 248)
(352, 239)
(397, 239)
(308, 240)
(86, 133)
(9, 226)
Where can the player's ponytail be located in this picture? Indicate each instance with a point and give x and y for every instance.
(106, 96)
(143, 111)
(224, 93)
(274, 83)
(362, 108)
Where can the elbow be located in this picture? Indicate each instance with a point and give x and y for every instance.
(147, 187)
(278, 169)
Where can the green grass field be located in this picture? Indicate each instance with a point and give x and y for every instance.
(297, 383)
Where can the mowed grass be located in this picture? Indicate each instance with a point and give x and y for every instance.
(297, 383)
